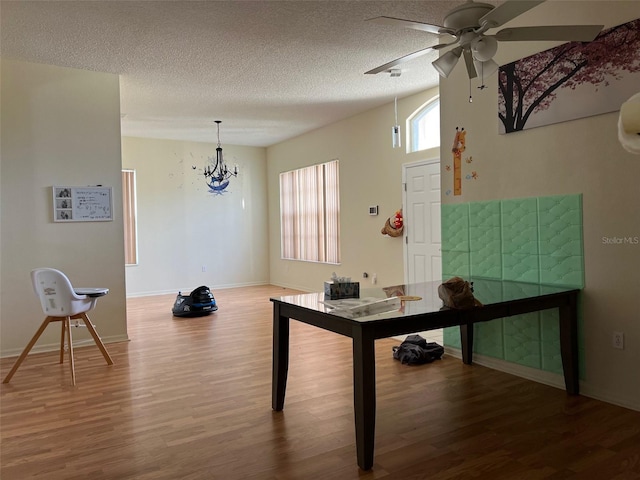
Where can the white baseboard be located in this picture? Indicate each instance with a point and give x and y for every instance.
(588, 391)
(55, 347)
(547, 378)
(295, 287)
(187, 290)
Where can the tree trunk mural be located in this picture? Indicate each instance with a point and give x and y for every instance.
(530, 85)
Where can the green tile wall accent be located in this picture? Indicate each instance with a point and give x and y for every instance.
(455, 228)
(519, 227)
(459, 262)
(488, 339)
(562, 270)
(519, 222)
(533, 240)
(560, 234)
(485, 242)
(550, 333)
(522, 342)
(521, 268)
(451, 337)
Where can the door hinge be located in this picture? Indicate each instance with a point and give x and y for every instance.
(404, 186)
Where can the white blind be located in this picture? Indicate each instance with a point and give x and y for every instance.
(310, 213)
(129, 217)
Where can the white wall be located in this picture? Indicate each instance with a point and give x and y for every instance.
(59, 127)
(370, 174)
(580, 156)
(182, 228)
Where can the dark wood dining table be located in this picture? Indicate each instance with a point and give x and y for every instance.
(381, 313)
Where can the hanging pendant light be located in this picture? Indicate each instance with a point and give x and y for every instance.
(217, 174)
(395, 131)
(396, 136)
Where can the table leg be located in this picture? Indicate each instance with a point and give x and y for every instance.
(364, 394)
(280, 358)
(466, 341)
(569, 344)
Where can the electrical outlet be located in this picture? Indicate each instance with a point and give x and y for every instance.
(374, 278)
(204, 268)
(618, 340)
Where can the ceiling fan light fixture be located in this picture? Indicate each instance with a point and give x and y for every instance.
(484, 48)
(467, 24)
(487, 68)
(446, 63)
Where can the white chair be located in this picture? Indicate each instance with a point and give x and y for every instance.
(61, 303)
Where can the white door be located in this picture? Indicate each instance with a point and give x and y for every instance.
(421, 211)
(423, 259)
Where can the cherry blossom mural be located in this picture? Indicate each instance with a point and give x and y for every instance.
(573, 80)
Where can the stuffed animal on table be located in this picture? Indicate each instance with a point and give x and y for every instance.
(458, 293)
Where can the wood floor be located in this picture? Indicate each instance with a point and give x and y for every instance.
(191, 399)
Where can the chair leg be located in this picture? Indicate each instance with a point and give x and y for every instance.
(27, 349)
(63, 336)
(96, 337)
(67, 321)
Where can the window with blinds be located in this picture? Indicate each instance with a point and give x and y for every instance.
(129, 217)
(310, 213)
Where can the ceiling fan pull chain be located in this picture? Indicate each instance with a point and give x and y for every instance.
(482, 86)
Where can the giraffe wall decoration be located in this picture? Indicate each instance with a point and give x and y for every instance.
(459, 146)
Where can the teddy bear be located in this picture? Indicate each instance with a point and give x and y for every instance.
(394, 225)
(458, 293)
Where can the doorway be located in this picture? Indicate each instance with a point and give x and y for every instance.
(421, 211)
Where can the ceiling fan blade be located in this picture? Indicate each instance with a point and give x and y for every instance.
(507, 11)
(568, 33)
(468, 60)
(395, 62)
(442, 45)
(399, 22)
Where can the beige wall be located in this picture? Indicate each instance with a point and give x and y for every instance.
(183, 229)
(59, 127)
(370, 174)
(580, 156)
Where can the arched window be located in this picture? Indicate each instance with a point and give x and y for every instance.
(424, 126)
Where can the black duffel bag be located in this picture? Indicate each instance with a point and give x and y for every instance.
(415, 350)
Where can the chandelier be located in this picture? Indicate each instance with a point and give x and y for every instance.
(217, 174)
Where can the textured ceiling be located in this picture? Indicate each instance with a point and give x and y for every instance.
(270, 70)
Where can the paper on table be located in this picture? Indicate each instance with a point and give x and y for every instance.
(361, 307)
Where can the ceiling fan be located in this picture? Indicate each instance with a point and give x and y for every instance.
(467, 25)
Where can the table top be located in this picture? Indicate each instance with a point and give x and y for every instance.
(415, 299)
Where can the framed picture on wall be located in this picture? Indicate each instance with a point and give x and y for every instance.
(82, 204)
(573, 80)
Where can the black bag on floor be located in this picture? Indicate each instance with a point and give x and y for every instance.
(199, 302)
(415, 350)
